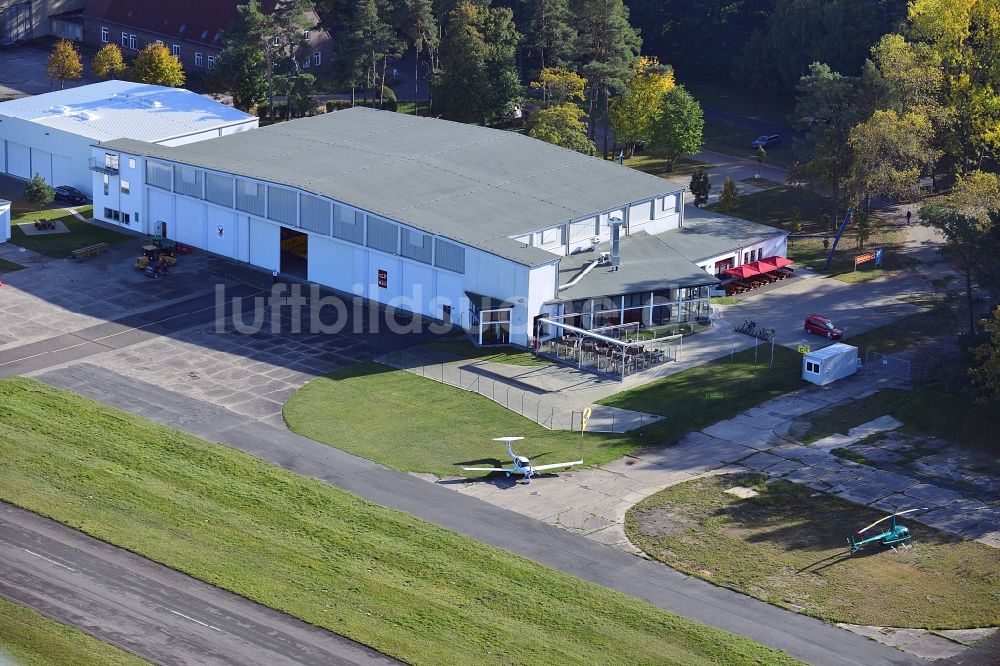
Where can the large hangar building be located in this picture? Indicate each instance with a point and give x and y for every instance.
(454, 222)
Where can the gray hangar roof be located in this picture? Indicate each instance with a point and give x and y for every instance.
(707, 234)
(473, 184)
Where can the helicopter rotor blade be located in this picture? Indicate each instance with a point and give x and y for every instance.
(900, 513)
(507, 439)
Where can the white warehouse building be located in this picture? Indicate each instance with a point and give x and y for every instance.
(484, 228)
(51, 134)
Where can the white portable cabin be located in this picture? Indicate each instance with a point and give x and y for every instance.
(827, 365)
(4, 220)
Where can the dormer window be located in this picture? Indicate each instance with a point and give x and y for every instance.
(182, 28)
(276, 41)
(204, 34)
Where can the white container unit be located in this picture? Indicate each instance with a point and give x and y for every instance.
(4, 220)
(827, 365)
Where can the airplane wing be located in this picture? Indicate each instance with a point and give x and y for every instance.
(541, 468)
(488, 469)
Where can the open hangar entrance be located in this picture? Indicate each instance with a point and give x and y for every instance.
(294, 253)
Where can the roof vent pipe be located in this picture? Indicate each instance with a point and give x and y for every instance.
(616, 226)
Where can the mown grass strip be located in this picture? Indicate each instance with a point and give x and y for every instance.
(401, 585)
(28, 638)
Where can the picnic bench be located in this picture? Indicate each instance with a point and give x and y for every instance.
(89, 251)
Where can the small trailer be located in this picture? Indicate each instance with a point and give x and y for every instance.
(829, 364)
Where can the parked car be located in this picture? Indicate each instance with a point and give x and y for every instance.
(70, 195)
(820, 325)
(766, 141)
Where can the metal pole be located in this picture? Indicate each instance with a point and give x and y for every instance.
(732, 348)
(772, 351)
(756, 342)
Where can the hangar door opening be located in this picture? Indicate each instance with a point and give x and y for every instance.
(294, 253)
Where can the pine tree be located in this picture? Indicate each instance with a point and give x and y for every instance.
(420, 28)
(606, 46)
(38, 192)
(108, 63)
(64, 62)
(729, 197)
(700, 186)
(155, 65)
(551, 36)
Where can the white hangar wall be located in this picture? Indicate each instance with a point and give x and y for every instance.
(60, 157)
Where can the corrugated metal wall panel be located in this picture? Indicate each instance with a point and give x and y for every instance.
(449, 256)
(282, 204)
(250, 196)
(315, 214)
(382, 235)
(417, 245)
(159, 174)
(219, 189)
(349, 225)
(187, 181)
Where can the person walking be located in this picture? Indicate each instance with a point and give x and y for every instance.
(908, 214)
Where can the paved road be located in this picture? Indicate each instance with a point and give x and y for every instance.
(803, 637)
(151, 610)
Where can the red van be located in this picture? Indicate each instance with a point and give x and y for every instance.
(820, 325)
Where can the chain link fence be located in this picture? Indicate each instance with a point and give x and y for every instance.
(882, 364)
(539, 407)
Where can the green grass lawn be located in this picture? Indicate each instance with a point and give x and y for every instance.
(937, 319)
(379, 576)
(725, 300)
(406, 106)
(657, 166)
(28, 638)
(434, 427)
(776, 207)
(9, 266)
(787, 546)
(463, 348)
(81, 234)
(698, 397)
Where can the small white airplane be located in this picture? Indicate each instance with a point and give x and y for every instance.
(521, 464)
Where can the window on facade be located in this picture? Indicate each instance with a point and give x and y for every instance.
(417, 245)
(107, 184)
(115, 215)
(314, 214)
(104, 35)
(317, 58)
(250, 197)
(175, 50)
(449, 256)
(158, 174)
(306, 63)
(187, 181)
(812, 367)
(110, 161)
(276, 41)
(124, 40)
(552, 236)
(349, 225)
(211, 62)
(382, 235)
(305, 35)
(131, 42)
(131, 163)
(219, 189)
(107, 213)
(197, 59)
(125, 187)
(125, 218)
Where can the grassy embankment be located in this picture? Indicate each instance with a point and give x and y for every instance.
(28, 638)
(379, 576)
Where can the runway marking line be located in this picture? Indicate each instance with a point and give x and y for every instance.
(58, 564)
(187, 617)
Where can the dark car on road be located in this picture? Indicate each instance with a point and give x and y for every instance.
(820, 325)
(70, 195)
(766, 141)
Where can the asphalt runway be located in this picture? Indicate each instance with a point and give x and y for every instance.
(803, 637)
(149, 609)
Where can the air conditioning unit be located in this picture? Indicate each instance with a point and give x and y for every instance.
(604, 258)
(595, 241)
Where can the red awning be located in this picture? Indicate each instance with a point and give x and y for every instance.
(773, 263)
(744, 271)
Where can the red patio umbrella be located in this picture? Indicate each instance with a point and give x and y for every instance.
(744, 271)
(773, 263)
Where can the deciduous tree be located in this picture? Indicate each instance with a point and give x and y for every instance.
(64, 63)
(729, 196)
(632, 113)
(560, 86)
(38, 192)
(677, 128)
(562, 125)
(700, 186)
(240, 70)
(985, 370)
(108, 63)
(156, 66)
(421, 30)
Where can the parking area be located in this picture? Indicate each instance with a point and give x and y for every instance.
(22, 71)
